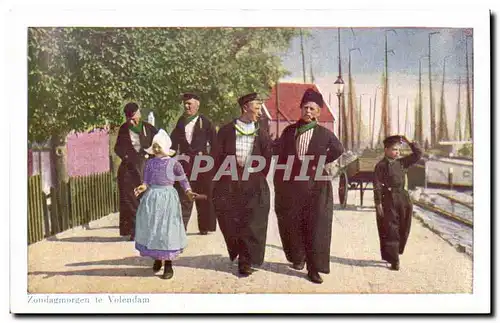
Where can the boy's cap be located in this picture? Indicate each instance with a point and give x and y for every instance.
(392, 140)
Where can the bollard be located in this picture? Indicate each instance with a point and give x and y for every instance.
(426, 172)
(450, 177)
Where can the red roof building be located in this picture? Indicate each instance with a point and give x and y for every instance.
(290, 95)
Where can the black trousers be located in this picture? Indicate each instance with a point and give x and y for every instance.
(394, 227)
(206, 217)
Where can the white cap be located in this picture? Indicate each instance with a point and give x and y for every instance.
(163, 140)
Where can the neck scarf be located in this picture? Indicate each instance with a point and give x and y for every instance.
(188, 119)
(137, 129)
(303, 127)
(241, 132)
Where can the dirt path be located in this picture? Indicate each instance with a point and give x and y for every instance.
(100, 261)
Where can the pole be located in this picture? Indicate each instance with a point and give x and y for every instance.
(373, 120)
(342, 104)
(303, 57)
(398, 116)
(351, 105)
(386, 107)
(340, 127)
(406, 117)
(386, 94)
(340, 119)
(458, 124)
(468, 125)
(340, 65)
(359, 124)
(370, 121)
(433, 113)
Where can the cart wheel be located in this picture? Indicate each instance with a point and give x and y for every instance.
(343, 189)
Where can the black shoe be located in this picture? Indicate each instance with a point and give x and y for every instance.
(315, 277)
(168, 271)
(395, 266)
(244, 269)
(157, 265)
(298, 265)
(203, 233)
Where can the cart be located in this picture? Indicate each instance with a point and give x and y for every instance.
(358, 174)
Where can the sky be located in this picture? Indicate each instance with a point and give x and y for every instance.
(367, 66)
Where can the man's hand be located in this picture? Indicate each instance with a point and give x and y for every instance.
(191, 195)
(379, 211)
(195, 196)
(140, 189)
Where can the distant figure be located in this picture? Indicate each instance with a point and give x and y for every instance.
(392, 202)
(134, 136)
(160, 232)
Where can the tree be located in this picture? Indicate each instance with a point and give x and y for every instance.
(80, 78)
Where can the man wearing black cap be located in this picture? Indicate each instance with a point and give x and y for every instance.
(194, 135)
(242, 201)
(134, 136)
(393, 205)
(304, 207)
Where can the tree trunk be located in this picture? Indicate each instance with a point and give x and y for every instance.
(114, 160)
(60, 210)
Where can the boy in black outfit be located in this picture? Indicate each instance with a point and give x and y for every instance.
(392, 202)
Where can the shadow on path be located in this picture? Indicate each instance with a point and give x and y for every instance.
(347, 261)
(89, 239)
(105, 227)
(142, 267)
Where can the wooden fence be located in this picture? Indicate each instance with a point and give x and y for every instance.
(91, 197)
(36, 207)
(80, 201)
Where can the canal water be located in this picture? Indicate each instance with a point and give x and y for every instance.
(457, 234)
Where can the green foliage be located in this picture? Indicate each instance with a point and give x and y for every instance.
(79, 78)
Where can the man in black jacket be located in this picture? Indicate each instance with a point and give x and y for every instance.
(242, 201)
(194, 135)
(304, 207)
(133, 138)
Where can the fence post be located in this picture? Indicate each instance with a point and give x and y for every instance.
(46, 214)
(30, 210)
(108, 193)
(35, 212)
(53, 211)
(71, 201)
(39, 209)
(100, 209)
